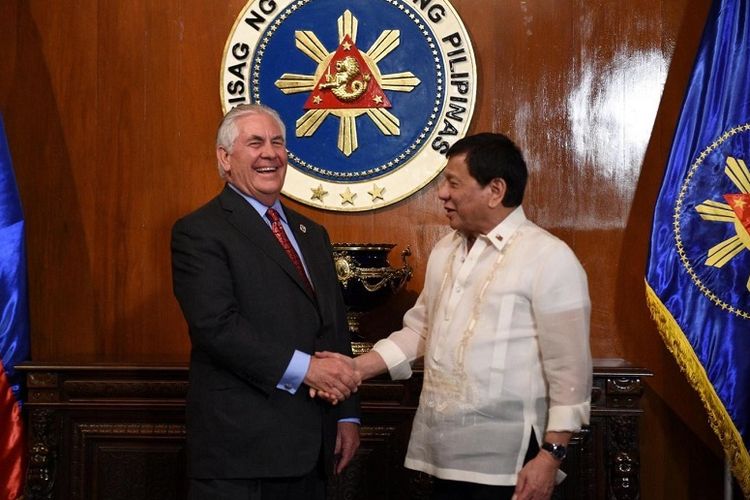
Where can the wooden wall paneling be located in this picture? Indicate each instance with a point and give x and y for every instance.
(8, 47)
(137, 81)
(55, 53)
(147, 219)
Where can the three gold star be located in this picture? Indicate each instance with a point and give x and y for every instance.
(318, 193)
(376, 193)
(347, 197)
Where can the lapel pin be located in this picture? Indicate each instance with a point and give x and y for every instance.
(302, 228)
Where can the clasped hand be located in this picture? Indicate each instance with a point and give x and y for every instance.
(332, 376)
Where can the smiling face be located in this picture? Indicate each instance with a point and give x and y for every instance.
(256, 163)
(471, 208)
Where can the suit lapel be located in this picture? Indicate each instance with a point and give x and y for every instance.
(248, 222)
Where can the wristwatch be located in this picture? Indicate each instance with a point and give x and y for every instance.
(558, 451)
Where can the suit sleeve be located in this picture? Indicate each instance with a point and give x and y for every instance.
(204, 287)
(350, 408)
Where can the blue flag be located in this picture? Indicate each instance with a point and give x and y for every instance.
(14, 327)
(698, 276)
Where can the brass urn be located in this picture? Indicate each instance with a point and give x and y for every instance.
(367, 280)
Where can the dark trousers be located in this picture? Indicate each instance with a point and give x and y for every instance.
(309, 487)
(444, 489)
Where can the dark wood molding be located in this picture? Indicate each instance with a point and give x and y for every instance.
(117, 431)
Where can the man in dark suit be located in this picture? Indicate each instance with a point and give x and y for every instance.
(256, 317)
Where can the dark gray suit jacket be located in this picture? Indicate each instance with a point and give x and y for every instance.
(248, 311)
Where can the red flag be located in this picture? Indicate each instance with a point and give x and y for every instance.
(12, 443)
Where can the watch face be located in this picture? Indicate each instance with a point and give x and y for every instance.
(556, 450)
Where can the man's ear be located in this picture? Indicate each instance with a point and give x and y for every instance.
(223, 156)
(497, 187)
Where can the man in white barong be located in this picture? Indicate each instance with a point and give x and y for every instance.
(503, 326)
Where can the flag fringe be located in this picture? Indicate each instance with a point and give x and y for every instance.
(720, 421)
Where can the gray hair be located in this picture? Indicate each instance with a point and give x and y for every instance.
(228, 132)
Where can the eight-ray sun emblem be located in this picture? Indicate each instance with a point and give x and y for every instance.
(373, 92)
(347, 83)
(736, 211)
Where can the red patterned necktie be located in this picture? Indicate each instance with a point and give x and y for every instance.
(278, 230)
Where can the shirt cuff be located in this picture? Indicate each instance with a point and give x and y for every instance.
(398, 365)
(351, 419)
(568, 418)
(295, 372)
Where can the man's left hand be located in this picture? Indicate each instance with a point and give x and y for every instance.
(537, 478)
(347, 442)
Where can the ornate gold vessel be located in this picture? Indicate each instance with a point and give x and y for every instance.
(367, 280)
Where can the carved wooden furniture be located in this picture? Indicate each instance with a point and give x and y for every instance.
(117, 431)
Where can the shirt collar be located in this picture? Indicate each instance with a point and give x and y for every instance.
(260, 207)
(500, 234)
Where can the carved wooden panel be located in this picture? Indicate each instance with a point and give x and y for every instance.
(148, 457)
(117, 432)
(154, 473)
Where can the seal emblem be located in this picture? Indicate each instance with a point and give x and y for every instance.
(712, 222)
(377, 92)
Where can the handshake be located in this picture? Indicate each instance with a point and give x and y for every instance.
(332, 376)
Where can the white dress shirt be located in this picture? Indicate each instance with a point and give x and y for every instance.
(504, 331)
